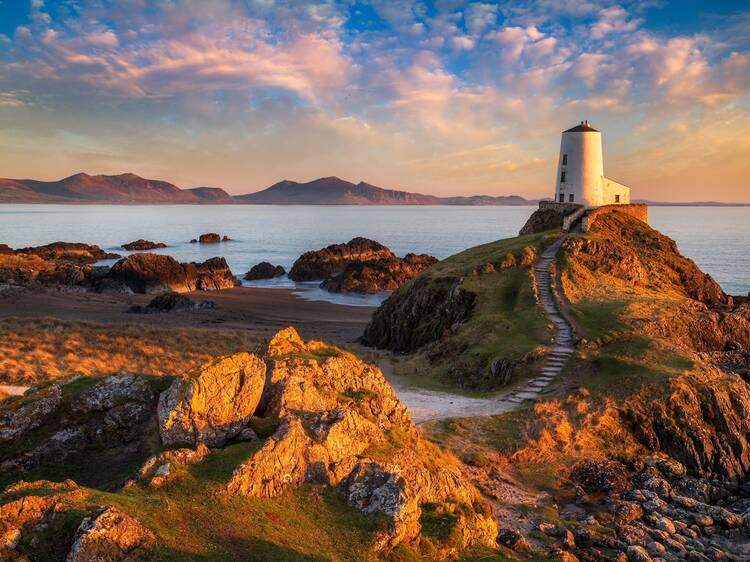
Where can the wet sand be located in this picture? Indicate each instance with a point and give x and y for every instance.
(259, 310)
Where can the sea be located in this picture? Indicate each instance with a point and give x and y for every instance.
(716, 238)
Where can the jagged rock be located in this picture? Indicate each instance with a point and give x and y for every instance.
(114, 391)
(157, 469)
(264, 270)
(142, 245)
(638, 554)
(212, 403)
(15, 423)
(514, 540)
(370, 277)
(548, 217)
(323, 263)
(110, 536)
(155, 273)
(209, 238)
(332, 410)
(418, 314)
(502, 371)
(69, 252)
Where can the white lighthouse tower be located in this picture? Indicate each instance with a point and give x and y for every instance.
(580, 171)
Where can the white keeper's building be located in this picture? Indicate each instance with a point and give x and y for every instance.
(580, 171)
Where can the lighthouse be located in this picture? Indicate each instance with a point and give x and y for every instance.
(580, 171)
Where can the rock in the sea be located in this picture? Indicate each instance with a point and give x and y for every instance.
(212, 403)
(154, 273)
(372, 277)
(209, 238)
(264, 270)
(141, 245)
(323, 263)
(69, 252)
(109, 536)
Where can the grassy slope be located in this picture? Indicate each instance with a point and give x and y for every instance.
(505, 322)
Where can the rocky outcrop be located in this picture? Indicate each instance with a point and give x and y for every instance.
(154, 273)
(341, 424)
(372, 277)
(704, 424)
(213, 403)
(321, 264)
(167, 302)
(210, 238)
(264, 270)
(31, 272)
(359, 266)
(549, 216)
(622, 248)
(69, 252)
(158, 470)
(110, 421)
(109, 536)
(6, 250)
(418, 314)
(142, 245)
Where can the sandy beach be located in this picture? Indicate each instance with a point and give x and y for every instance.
(260, 311)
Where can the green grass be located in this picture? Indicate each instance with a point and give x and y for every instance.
(506, 322)
(598, 319)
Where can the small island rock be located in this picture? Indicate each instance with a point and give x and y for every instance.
(264, 270)
(143, 245)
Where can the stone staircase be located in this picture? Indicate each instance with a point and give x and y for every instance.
(562, 347)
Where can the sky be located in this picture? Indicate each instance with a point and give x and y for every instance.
(444, 96)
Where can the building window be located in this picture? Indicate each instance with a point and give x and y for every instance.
(570, 198)
(562, 198)
(617, 198)
(562, 177)
(565, 160)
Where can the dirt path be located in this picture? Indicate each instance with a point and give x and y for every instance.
(427, 405)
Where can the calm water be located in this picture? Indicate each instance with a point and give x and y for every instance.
(715, 237)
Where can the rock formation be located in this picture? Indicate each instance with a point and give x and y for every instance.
(360, 265)
(167, 302)
(142, 245)
(212, 403)
(109, 536)
(264, 270)
(69, 252)
(154, 273)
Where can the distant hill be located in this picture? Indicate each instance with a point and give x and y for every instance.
(335, 191)
(130, 188)
(123, 188)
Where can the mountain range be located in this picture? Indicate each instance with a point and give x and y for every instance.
(133, 189)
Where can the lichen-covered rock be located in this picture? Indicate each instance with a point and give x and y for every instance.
(157, 470)
(336, 414)
(30, 414)
(110, 536)
(114, 391)
(212, 403)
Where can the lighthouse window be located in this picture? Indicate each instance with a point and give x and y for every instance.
(562, 198)
(565, 160)
(617, 198)
(570, 198)
(562, 177)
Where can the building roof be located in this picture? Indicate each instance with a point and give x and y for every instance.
(584, 127)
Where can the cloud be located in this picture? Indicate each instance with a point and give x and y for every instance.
(102, 39)
(479, 16)
(613, 20)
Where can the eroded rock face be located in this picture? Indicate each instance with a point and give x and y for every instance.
(16, 423)
(212, 403)
(154, 273)
(339, 420)
(264, 270)
(157, 470)
(418, 314)
(110, 536)
(142, 245)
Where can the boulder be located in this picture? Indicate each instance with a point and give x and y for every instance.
(167, 302)
(141, 245)
(6, 250)
(154, 273)
(603, 475)
(323, 263)
(372, 277)
(109, 536)
(212, 403)
(69, 252)
(264, 270)
(157, 470)
(209, 238)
